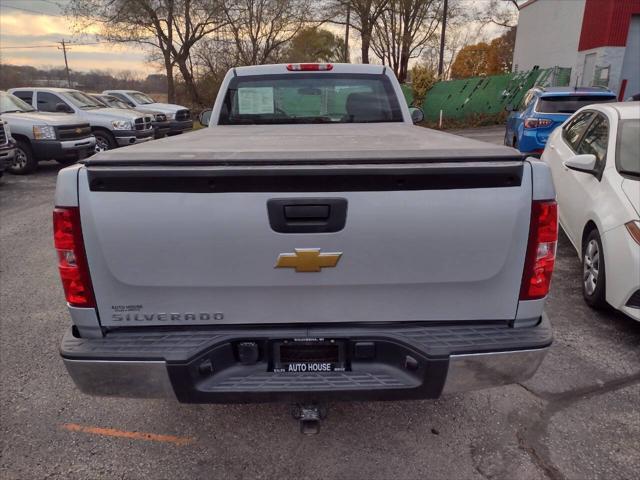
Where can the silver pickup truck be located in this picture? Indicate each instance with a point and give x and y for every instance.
(43, 135)
(311, 244)
(112, 127)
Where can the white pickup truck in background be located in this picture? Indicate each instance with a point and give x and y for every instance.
(311, 244)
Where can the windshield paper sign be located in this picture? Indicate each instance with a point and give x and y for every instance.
(255, 100)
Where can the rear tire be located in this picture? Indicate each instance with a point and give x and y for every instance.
(104, 141)
(594, 284)
(23, 162)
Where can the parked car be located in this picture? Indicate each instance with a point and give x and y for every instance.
(341, 253)
(112, 127)
(44, 136)
(7, 146)
(161, 124)
(595, 163)
(544, 109)
(179, 116)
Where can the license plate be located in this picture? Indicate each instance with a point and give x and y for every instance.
(308, 355)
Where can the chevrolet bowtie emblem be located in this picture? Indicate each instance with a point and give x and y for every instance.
(308, 260)
(78, 130)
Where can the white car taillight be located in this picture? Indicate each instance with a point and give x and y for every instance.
(72, 260)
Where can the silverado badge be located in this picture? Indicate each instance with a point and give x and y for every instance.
(308, 260)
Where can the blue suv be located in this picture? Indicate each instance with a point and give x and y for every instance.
(543, 109)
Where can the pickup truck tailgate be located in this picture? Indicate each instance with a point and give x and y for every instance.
(433, 240)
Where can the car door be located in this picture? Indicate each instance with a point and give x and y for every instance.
(562, 147)
(583, 189)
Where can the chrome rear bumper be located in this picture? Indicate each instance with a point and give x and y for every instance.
(170, 364)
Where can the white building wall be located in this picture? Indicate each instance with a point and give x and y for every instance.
(611, 57)
(548, 34)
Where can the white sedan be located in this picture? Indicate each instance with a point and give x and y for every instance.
(595, 162)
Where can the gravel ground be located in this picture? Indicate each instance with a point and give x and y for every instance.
(577, 418)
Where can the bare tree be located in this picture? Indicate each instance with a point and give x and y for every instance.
(169, 27)
(363, 15)
(503, 13)
(260, 28)
(403, 31)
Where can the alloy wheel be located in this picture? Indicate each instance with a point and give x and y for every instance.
(102, 145)
(591, 266)
(20, 160)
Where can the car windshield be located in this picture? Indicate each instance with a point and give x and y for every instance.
(82, 101)
(10, 103)
(310, 98)
(569, 103)
(141, 98)
(99, 100)
(116, 103)
(628, 160)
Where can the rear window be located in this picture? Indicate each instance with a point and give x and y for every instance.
(570, 103)
(310, 98)
(628, 160)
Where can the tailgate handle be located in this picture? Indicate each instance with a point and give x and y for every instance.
(307, 215)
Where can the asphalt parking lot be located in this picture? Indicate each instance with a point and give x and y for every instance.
(577, 418)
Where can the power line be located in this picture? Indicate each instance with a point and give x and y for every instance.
(53, 45)
(28, 10)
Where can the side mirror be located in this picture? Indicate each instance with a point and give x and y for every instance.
(417, 115)
(585, 163)
(205, 117)
(63, 107)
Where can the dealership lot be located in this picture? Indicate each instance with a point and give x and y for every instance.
(578, 417)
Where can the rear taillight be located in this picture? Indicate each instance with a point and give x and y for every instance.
(541, 250)
(309, 67)
(537, 122)
(72, 260)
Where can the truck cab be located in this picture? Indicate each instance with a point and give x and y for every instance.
(111, 127)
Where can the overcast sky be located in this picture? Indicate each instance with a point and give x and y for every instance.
(30, 30)
(40, 24)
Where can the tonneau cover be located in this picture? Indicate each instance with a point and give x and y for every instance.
(315, 143)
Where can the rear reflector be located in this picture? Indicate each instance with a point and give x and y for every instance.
(309, 67)
(541, 250)
(72, 260)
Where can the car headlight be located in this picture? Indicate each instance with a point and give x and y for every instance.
(122, 125)
(159, 117)
(44, 132)
(171, 116)
(7, 131)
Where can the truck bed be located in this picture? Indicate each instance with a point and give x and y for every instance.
(298, 144)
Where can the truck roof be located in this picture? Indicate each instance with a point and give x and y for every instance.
(229, 145)
(280, 68)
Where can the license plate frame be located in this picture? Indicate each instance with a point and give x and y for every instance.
(308, 355)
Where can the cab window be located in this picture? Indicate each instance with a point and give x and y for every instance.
(25, 96)
(572, 132)
(47, 101)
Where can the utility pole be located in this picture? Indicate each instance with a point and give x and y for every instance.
(346, 35)
(444, 29)
(66, 64)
